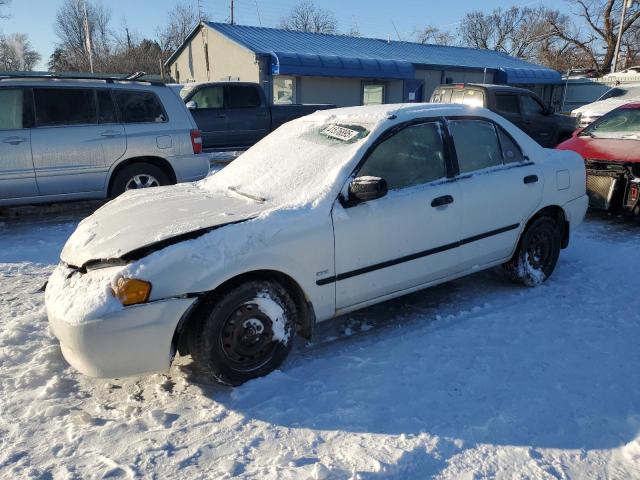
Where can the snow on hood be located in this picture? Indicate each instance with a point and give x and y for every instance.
(141, 218)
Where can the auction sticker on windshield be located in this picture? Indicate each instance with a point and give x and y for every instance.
(340, 133)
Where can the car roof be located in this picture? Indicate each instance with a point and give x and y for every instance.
(486, 86)
(75, 82)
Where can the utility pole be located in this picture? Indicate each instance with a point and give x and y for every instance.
(625, 4)
(231, 6)
(87, 33)
(200, 10)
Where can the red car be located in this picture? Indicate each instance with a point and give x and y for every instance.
(610, 147)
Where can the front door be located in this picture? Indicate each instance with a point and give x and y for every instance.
(408, 237)
(500, 188)
(208, 112)
(17, 177)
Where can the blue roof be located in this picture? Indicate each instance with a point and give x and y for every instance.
(304, 53)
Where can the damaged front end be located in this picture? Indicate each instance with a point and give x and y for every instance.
(614, 186)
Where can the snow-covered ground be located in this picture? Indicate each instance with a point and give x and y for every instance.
(478, 378)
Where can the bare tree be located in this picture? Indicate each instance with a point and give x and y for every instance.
(433, 35)
(307, 17)
(16, 53)
(70, 29)
(517, 31)
(602, 20)
(182, 20)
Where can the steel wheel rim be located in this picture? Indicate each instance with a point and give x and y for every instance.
(539, 250)
(247, 338)
(143, 180)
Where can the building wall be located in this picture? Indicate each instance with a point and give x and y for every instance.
(431, 79)
(227, 60)
(343, 92)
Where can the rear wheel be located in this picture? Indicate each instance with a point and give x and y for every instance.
(136, 176)
(244, 334)
(537, 253)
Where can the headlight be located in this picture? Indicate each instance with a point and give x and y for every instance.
(131, 291)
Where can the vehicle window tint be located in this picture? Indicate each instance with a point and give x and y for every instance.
(139, 107)
(106, 108)
(210, 97)
(511, 152)
(476, 143)
(64, 106)
(11, 104)
(530, 106)
(242, 96)
(457, 96)
(507, 103)
(413, 156)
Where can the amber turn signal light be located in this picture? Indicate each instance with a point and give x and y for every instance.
(131, 291)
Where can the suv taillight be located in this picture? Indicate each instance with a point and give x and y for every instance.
(196, 141)
(634, 192)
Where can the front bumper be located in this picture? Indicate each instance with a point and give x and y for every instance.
(128, 342)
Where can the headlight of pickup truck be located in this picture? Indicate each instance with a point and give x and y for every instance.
(131, 291)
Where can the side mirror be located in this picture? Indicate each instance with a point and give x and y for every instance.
(363, 189)
(191, 105)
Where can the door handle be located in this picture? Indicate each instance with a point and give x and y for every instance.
(530, 179)
(14, 140)
(110, 133)
(440, 201)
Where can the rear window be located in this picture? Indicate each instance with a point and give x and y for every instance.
(11, 106)
(507, 103)
(242, 96)
(441, 95)
(473, 98)
(139, 107)
(65, 106)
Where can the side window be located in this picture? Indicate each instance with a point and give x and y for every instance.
(210, 97)
(412, 156)
(106, 108)
(476, 144)
(64, 106)
(11, 106)
(139, 107)
(507, 103)
(511, 152)
(530, 106)
(242, 96)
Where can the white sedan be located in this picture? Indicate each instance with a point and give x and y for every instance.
(331, 213)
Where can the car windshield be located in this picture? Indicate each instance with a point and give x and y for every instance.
(622, 93)
(623, 123)
(295, 165)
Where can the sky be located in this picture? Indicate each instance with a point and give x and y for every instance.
(373, 18)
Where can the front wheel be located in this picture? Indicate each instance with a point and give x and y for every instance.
(537, 253)
(245, 334)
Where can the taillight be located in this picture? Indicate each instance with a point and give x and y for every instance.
(196, 141)
(634, 192)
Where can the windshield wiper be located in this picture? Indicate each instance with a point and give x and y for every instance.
(248, 195)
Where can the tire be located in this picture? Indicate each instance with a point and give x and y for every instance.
(537, 253)
(244, 334)
(125, 179)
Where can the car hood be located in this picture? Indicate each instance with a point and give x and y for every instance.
(604, 149)
(600, 107)
(139, 222)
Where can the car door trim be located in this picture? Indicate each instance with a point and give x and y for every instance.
(414, 256)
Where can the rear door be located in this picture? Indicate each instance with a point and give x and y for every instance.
(508, 105)
(408, 237)
(247, 118)
(540, 126)
(17, 176)
(500, 188)
(72, 151)
(208, 112)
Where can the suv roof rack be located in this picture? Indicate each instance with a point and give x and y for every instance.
(134, 77)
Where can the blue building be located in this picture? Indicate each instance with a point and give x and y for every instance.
(301, 67)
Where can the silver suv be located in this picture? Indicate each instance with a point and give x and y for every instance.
(87, 138)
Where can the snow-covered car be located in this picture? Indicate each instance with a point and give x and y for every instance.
(330, 213)
(611, 99)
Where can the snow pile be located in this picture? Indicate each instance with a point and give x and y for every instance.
(77, 298)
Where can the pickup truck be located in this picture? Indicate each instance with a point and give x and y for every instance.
(235, 115)
(521, 107)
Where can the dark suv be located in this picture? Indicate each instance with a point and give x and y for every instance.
(518, 105)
